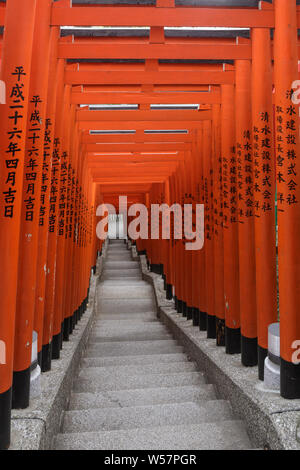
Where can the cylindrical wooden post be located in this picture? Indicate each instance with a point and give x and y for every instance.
(264, 189)
(15, 74)
(208, 223)
(45, 193)
(288, 191)
(230, 222)
(218, 226)
(53, 225)
(29, 230)
(246, 213)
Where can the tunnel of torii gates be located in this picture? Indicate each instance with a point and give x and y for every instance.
(236, 152)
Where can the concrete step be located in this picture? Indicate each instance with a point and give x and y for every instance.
(155, 336)
(121, 306)
(125, 292)
(143, 397)
(121, 264)
(133, 360)
(164, 368)
(111, 382)
(111, 419)
(116, 282)
(226, 435)
(128, 318)
(124, 256)
(121, 273)
(133, 349)
(106, 331)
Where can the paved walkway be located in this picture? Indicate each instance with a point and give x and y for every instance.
(136, 388)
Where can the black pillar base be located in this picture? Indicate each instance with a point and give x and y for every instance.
(220, 329)
(180, 306)
(61, 335)
(211, 327)
(176, 302)
(165, 281)
(66, 330)
(161, 269)
(155, 268)
(21, 389)
(46, 357)
(232, 340)
(196, 315)
(94, 268)
(189, 313)
(73, 321)
(262, 354)
(76, 316)
(40, 358)
(289, 380)
(56, 343)
(184, 309)
(169, 292)
(141, 252)
(202, 321)
(249, 351)
(5, 419)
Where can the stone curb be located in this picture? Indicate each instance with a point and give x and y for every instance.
(271, 421)
(35, 427)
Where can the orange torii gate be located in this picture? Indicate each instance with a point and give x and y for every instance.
(60, 160)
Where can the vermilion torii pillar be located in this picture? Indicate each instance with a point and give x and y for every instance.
(52, 223)
(264, 189)
(15, 73)
(244, 160)
(45, 193)
(218, 226)
(230, 224)
(31, 205)
(208, 226)
(288, 187)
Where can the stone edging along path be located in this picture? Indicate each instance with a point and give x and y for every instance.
(272, 421)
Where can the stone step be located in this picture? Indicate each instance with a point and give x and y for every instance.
(164, 368)
(112, 419)
(125, 292)
(141, 397)
(115, 255)
(124, 258)
(121, 306)
(116, 282)
(137, 381)
(133, 349)
(226, 435)
(147, 336)
(121, 273)
(129, 318)
(121, 265)
(134, 360)
(100, 330)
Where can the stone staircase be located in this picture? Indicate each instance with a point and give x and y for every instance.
(136, 388)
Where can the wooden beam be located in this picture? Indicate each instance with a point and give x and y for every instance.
(137, 125)
(145, 98)
(140, 115)
(153, 16)
(128, 180)
(90, 157)
(104, 50)
(136, 138)
(140, 77)
(160, 147)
